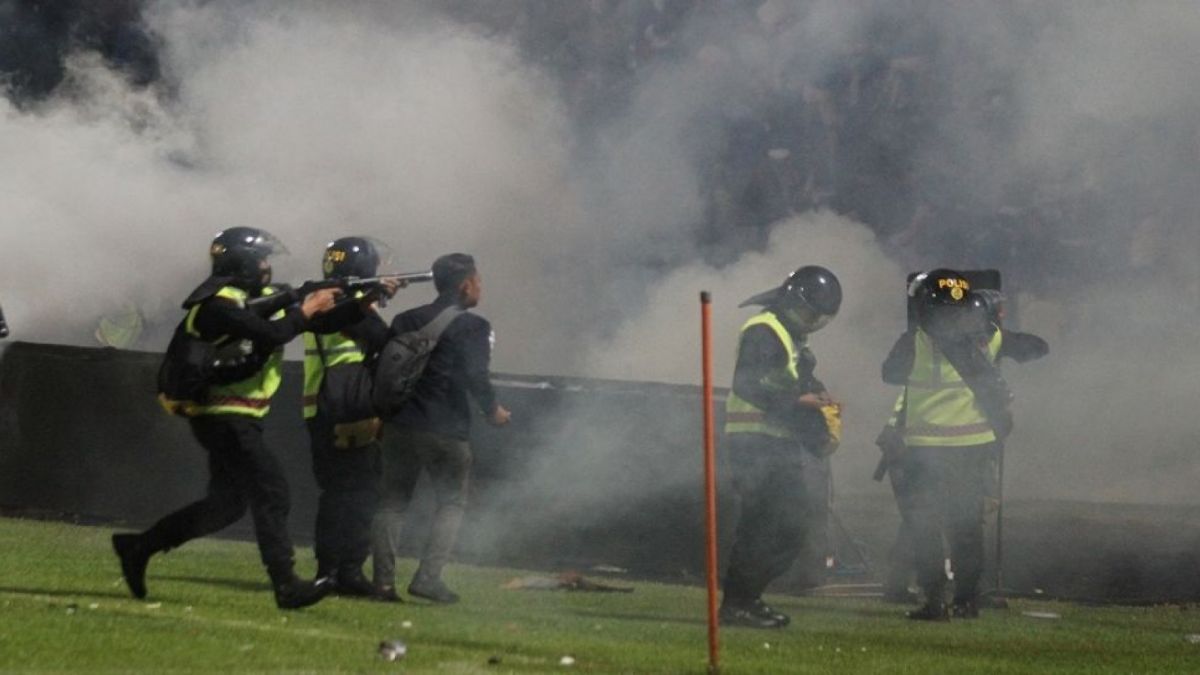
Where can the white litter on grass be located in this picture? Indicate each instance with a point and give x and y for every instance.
(392, 650)
(1042, 615)
(567, 661)
(188, 608)
(1193, 638)
(406, 624)
(94, 605)
(245, 648)
(154, 605)
(766, 645)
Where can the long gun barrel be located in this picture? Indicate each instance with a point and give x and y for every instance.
(286, 296)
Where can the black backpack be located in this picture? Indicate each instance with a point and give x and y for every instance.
(402, 361)
(192, 364)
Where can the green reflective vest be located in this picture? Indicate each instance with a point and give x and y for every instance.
(941, 406)
(335, 349)
(252, 396)
(741, 416)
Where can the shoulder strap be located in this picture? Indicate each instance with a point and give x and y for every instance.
(433, 330)
(983, 378)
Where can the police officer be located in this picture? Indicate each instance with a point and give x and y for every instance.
(778, 410)
(345, 433)
(952, 419)
(243, 473)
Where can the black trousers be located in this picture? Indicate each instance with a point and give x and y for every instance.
(243, 474)
(348, 479)
(900, 557)
(768, 477)
(946, 488)
(447, 460)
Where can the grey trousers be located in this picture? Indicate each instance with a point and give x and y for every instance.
(447, 460)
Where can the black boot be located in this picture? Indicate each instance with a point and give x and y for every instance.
(295, 593)
(752, 614)
(432, 589)
(134, 555)
(352, 583)
(965, 609)
(932, 610)
(766, 610)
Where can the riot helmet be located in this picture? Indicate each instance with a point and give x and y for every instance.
(945, 304)
(808, 299)
(241, 253)
(354, 257)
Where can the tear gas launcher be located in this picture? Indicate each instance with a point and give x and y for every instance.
(285, 296)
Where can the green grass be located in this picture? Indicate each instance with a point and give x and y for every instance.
(63, 606)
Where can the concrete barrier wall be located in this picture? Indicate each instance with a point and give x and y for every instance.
(589, 472)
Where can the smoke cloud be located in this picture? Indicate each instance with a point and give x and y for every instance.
(1057, 142)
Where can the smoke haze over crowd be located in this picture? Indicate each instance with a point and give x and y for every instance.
(605, 161)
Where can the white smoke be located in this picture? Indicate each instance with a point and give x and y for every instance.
(315, 120)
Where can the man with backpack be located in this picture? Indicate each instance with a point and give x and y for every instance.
(233, 358)
(433, 424)
(342, 423)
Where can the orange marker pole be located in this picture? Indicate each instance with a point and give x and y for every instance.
(710, 480)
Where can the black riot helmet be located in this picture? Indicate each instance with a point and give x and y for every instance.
(241, 253)
(945, 304)
(808, 299)
(357, 257)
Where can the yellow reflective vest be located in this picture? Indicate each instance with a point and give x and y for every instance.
(334, 349)
(942, 410)
(741, 416)
(250, 397)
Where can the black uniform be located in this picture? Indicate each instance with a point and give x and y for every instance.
(776, 502)
(243, 472)
(348, 477)
(931, 482)
(431, 433)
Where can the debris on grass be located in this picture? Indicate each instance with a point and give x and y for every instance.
(567, 660)
(1192, 638)
(406, 624)
(392, 650)
(568, 581)
(1042, 615)
(154, 605)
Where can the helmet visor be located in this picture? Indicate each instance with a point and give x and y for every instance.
(807, 319)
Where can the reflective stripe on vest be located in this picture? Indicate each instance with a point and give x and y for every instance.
(941, 406)
(252, 396)
(741, 416)
(339, 350)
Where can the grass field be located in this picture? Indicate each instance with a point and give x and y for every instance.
(63, 606)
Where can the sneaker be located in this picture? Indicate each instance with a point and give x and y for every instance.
(352, 583)
(766, 610)
(385, 593)
(434, 590)
(965, 609)
(930, 611)
(298, 593)
(748, 616)
(134, 558)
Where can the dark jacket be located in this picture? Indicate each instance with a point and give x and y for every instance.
(760, 354)
(458, 369)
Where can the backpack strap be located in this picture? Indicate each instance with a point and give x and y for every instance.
(433, 330)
